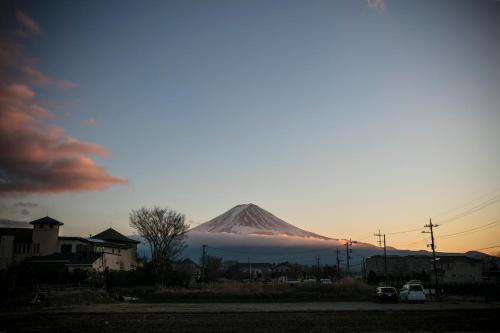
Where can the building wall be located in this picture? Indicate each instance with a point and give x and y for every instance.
(23, 250)
(108, 260)
(76, 245)
(47, 237)
(113, 258)
(450, 269)
(461, 272)
(117, 259)
(6, 251)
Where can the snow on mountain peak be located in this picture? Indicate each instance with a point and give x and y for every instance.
(250, 219)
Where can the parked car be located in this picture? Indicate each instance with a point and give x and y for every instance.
(412, 292)
(386, 294)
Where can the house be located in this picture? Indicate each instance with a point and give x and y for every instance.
(256, 270)
(42, 244)
(451, 269)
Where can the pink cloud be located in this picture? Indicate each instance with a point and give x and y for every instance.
(90, 122)
(36, 156)
(38, 78)
(10, 53)
(30, 25)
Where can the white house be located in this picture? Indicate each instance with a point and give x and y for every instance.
(42, 244)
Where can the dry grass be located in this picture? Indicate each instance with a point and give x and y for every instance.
(238, 291)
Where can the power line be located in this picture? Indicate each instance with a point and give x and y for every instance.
(472, 210)
(484, 248)
(469, 211)
(404, 232)
(473, 230)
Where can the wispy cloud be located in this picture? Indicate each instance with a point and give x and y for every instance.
(36, 77)
(29, 25)
(378, 5)
(89, 122)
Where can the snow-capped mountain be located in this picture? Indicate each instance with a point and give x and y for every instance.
(250, 219)
(248, 232)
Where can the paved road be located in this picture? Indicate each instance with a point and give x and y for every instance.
(267, 307)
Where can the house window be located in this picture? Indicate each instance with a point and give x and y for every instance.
(38, 248)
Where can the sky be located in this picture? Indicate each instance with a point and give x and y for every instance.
(340, 117)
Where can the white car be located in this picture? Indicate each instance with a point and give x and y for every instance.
(412, 293)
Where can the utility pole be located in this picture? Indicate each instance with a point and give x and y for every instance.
(203, 262)
(433, 247)
(249, 270)
(379, 235)
(317, 262)
(364, 269)
(338, 263)
(347, 244)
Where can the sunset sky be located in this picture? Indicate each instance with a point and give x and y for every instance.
(340, 117)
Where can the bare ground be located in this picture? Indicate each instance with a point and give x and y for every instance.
(258, 317)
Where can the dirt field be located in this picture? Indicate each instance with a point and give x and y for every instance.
(258, 317)
(350, 321)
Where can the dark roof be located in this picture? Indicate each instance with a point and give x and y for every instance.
(46, 220)
(111, 235)
(81, 239)
(68, 259)
(21, 235)
(95, 241)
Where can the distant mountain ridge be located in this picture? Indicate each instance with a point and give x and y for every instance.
(250, 219)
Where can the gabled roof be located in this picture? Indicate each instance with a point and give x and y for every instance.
(95, 241)
(111, 235)
(74, 238)
(46, 220)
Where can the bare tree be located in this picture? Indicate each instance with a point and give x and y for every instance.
(165, 231)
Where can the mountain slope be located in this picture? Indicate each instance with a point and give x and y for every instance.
(250, 219)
